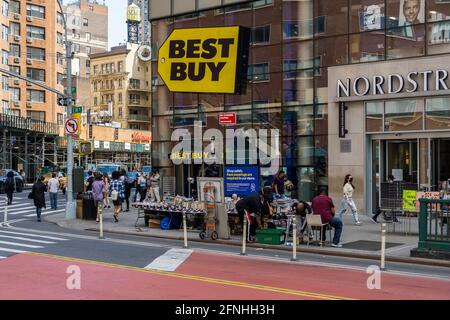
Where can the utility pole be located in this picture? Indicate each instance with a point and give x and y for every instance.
(71, 204)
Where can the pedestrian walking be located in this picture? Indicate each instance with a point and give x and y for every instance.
(89, 181)
(53, 186)
(117, 193)
(106, 182)
(154, 184)
(98, 192)
(9, 186)
(142, 183)
(38, 195)
(137, 190)
(347, 200)
(128, 185)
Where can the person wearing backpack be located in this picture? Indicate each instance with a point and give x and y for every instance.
(10, 186)
(117, 193)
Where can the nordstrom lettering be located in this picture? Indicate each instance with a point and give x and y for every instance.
(393, 84)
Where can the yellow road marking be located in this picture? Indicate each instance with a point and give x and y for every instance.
(197, 278)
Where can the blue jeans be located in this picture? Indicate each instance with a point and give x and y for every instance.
(348, 203)
(53, 200)
(336, 223)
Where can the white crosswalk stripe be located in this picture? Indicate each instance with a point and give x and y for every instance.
(33, 235)
(45, 212)
(11, 250)
(27, 209)
(14, 242)
(27, 239)
(21, 245)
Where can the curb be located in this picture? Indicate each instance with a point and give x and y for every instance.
(410, 260)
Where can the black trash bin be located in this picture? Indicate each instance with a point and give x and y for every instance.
(89, 209)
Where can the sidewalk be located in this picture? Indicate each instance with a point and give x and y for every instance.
(358, 241)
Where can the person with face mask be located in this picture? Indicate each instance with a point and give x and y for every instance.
(347, 200)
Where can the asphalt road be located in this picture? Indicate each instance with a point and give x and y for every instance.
(47, 250)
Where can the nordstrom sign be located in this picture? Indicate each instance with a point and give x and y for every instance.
(393, 83)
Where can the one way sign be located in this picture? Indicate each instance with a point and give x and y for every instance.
(64, 101)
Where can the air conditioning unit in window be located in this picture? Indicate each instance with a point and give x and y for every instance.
(16, 60)
(29, 40)
(29, 19)
(29, 84)
(16, 82)
(16, 103)
(28, 61)
(28, 104)
(16, 38)
(16, 16)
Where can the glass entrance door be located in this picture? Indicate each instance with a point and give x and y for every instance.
(401, 160)
(440, 163)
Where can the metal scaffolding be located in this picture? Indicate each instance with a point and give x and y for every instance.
(28, 144)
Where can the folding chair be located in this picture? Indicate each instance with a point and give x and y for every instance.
(314, 222)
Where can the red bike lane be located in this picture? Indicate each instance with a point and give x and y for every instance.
(202, 276)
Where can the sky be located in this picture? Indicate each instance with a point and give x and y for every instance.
(117, 28)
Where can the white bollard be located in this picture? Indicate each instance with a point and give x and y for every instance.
(100, 214)
(383, 246)
(5, 215)
(185, 230)
(294, 239)
(244, 236)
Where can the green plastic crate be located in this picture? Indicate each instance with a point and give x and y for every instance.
(270, 236)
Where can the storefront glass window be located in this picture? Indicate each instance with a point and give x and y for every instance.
(366, 47)
(298, 20)
(298, 87)
(405, 12)
(437, 113)
(374, 116)
(403, 115)
(298, 121)
(331, 17)
(321, 120)
(438, 10)
(332, 51)
(269, 119)
(366, 15)
(439, 37)
(406, 42)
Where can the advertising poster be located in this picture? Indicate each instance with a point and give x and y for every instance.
(242, 180)
(409, 200)
(427, 195)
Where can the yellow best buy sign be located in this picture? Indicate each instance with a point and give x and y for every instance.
(205, 60)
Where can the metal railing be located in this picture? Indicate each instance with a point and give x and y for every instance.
(138, 117)
(27, 124)
(434, 230)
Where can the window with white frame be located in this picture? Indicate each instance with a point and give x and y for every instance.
(36, 96)
(36, 53)
(35, 11)
(35, 32)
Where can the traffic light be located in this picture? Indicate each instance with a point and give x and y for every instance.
(83, 148)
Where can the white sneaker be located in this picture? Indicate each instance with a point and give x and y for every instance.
(358, 223)
(336, 245)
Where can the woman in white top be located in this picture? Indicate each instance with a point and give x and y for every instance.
(347, 200)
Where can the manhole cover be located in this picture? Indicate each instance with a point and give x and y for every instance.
(369, 245)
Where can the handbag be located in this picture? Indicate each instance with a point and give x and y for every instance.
(31, 195)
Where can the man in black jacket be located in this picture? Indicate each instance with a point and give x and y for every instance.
(252, 206)
(10, 186)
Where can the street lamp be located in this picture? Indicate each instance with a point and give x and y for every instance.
(71, 204)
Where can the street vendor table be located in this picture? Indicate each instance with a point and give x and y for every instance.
(143, 207)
